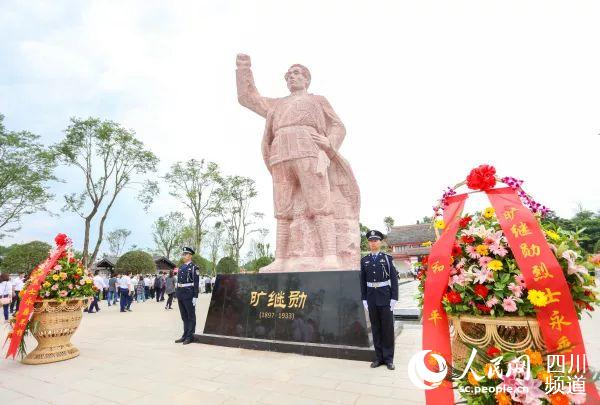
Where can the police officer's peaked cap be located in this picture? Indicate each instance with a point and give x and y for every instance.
(188, 250)
(374, 235)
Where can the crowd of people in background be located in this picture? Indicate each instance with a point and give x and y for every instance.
(123, 289)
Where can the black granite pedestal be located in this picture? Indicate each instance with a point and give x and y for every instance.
(310, 313)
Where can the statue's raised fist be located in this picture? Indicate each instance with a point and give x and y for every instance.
(242, 60)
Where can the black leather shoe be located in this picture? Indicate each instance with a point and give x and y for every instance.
(391, 366)
(180, 340)
(187, 342)
(376, 364)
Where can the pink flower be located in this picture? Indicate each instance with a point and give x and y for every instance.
(58, 267)
(472, 252)
(70, 286)
(457, 279)
(530, 393)
(508, 384)
(517, 290)
(63, 293)
(47, 293)
(520, 280)
(484, 261)
(82, 282)
(483, 275)
(54, 287)
(492, 301)
(509, 304)
(498, 249)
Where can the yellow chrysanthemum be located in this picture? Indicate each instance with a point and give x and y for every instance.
(490, 371)
(544, 376)
(472, 379)
(55, 277)
(495, 265)
(502, 398)
(482, 250)
(439, 224)
(46, 284)
(535, 358)
(537, 298)
(79, 271)
(489, 212)
(88, 281)
(552, 235)
(427, 244)
(63, 275)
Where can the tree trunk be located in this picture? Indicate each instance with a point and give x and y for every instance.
(101, 227)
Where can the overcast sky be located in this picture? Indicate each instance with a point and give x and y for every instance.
(427, 90)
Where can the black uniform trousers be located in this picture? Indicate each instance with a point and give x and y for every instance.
(382, 327)
(188, 314)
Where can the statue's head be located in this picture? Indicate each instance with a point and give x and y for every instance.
(297, 77)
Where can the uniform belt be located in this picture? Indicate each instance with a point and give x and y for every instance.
(381, 284)
(185, 285)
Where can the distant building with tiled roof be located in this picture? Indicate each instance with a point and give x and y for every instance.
(406, 242)
(106, 265)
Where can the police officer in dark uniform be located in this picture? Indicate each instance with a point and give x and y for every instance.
(379, 289)
(187, 295)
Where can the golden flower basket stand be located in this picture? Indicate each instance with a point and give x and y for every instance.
(507, 333)
(58, 321)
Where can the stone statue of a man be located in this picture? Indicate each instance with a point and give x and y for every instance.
(316, 197)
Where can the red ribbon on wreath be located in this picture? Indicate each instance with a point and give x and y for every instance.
(30, 294)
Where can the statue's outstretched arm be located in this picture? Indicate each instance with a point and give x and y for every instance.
(248, 95)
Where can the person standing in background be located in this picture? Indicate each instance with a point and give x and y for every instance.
(18, 285)
(147, 284)
(7, 291)
(170, 289)
(124, 282)
(112, 290)
(131, 294)
(140, 289)
(99, 285)
(163, 283)
(152, 290)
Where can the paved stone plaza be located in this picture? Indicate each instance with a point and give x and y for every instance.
(131, 358)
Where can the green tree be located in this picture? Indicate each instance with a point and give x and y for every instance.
(110, 158)
(589, 224)
(215, 243)
(24, 258)
(227, 265)
(238, 192)
(389, 222)
(364, 243)
(116, 240)
(26, 167)
(586, 222)
(197, 185)
(167, 233)
(136, 262)
(255, 265)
